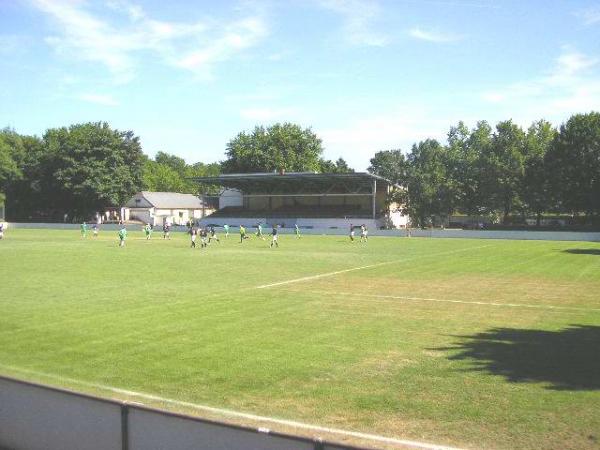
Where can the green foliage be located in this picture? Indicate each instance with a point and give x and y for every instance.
(504, 168)
(169, 173)
(574, 165)
(429, 193)
(93, 166)
(279, 147)
(339, 166)
(11, 157)
(535, 190)
(390, 164)
(161, 178)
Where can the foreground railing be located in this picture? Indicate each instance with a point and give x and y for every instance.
(35, 416)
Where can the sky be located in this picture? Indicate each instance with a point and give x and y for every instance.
(188, 76)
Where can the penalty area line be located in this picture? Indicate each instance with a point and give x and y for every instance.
(464, 302)
(237, 414)
(368, 266)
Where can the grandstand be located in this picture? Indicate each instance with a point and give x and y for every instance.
(311, 200)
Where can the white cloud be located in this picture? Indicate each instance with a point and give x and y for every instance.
(99, 99)
(571, 86)
(433, 36)
(358, 140)
(195, 46)
(236, 38)
(358, 17)
(589, 16)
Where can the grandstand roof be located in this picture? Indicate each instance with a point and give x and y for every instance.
(297, 181)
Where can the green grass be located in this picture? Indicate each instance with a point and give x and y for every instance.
(373, 350)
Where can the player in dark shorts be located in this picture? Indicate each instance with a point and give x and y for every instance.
(193, 234)
(274, 236)
(213, 235)
(203, 236)
(166, 231)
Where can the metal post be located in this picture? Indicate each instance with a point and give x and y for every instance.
(374, 198)
(124, 427)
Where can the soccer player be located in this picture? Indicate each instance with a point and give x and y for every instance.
(95, 230)
(242, 233)
(363, 233)
(203, 236)
(166, 231)
(122, 236)
(213, 235)
(1, 230)
(351, 232)
(84, 229)
(259, 232)
(148, 231)
(297, 231)
(226, 228)
(274, 237)
(193, 233)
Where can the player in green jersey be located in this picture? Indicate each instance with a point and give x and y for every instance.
(226, 229)
(242, 233)
(148, 231)
(122, 236)
(297, 231)
(84, 230)
(259, 233)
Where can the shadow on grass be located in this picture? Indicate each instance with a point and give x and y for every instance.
(583, 251)
(567, 359)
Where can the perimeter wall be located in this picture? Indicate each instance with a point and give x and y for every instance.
(249, 223)
(34, 416)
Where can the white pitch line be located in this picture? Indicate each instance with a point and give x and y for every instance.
(330, 274)
(466, 302)
(238, 414)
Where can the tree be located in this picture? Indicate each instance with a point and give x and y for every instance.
(428, 187)
(279, 147)
(161, 178)
(93, 166)
(504, 165)
(30, 191)
(340, 166)
(466, 174)
(535, 188)
(174, 162)
(11, 157)
(390, 164)
(574, 165)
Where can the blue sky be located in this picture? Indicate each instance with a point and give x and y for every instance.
(187, 76)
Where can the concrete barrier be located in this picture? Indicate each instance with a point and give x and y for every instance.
(435, 233)
(35, 416)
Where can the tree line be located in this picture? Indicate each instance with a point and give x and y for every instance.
(504, 173)
(501, 173)
(84, 168)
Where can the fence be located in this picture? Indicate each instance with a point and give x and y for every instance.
(35, 416)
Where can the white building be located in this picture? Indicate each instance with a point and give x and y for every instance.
(156, 208)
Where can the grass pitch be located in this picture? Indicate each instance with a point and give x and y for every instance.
(473, 343)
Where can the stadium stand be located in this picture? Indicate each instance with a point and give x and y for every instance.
(311, 200)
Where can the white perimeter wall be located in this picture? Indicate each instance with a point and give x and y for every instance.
(462, 234)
